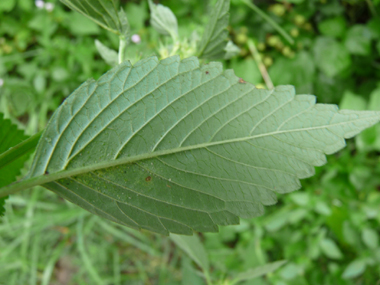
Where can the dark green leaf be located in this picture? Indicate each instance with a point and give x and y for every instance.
(214, 38)
(102, 12)
(172, 146)
(14, 151)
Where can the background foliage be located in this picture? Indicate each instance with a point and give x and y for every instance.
(328, 231)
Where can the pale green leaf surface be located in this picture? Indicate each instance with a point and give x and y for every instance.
(193, 248)
(171, 146)
(330, 249)
(214, 38)
(110, 56)
(102, 12)
(354, 269)
(231, 50)
(163, 20)
(259, 271)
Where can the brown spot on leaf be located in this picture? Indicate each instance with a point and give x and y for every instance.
(46, 172)
(241, 80)
(148, 179)
(207, 72)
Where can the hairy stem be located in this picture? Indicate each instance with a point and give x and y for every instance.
(122, 48)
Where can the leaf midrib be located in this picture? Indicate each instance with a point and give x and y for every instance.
(40, 180)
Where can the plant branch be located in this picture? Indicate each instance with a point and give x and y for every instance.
(269, 20)
(260, 64)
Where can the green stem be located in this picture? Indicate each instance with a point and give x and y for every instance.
(122, 48)
(269, 20)
(260, 64)
(19, 150)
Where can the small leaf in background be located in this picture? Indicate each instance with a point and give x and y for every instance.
(302, 73)
(322, 208)
(358, 40)
(110, 56)
(370, 138)
(214, 38)
(11, 163)
(331, 56)
(102, 12)
(231, 50)
(163, 20)
(290, 271)
(352, 101)
(2, 206)
(189, 274)
(82, 26)
(370, 238)
(258, 271)
(330, 249)
(354, 269)
(124, 23)
(7, 5)
(333, 27)
(193, 248)
(246, 69)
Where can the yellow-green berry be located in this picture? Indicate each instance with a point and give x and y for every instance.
(273, 41)
(261, 46)
(299, 20)
(278, 9)
(294, 32)
(268, 61)
(241, 39)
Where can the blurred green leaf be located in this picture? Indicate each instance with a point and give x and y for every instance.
(358, 40)
(331, 56)
(334, 27)
(163, 20)
(370, 238)
(231, 50)
(214, 38)
(15, 150)
(102, 12)
(258, 271)
(354, 269)
(330, 249)
(7, 5)
(246, 69)
(302, 75)
(352, 101)
(80, 25)
(193, 248)
(110, 56)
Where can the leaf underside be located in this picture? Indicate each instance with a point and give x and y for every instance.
(10, 136)
(214, 38)
(171, 146)
(103, 12)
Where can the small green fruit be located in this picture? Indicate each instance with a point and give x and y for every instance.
(299, 20)
(241, 39)
(278, 9)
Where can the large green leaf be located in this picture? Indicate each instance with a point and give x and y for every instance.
(214, 39)
(13, 153)
(103, 12)
(174, 147)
